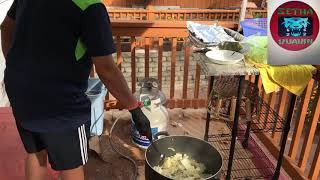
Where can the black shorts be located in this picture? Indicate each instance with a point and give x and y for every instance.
(66, 150)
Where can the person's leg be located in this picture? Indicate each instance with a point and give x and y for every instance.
(72, 174)
(36, 166)
(68, 151)
(36, 160)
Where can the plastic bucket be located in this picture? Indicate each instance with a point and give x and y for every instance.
(96, 93)
(257, 26)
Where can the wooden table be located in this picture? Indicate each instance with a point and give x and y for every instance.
(240, 69)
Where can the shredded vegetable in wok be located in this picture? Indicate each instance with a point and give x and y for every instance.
(182, 167)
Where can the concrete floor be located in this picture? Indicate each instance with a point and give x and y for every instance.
(105, 164)
(182, 122)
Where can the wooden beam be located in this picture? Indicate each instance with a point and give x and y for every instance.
(119, 57)
(146, 28)
(315, 167)
(150, 32)
(151, 14)
(160, 56)
(147, 57)
(242, 12)
(149, 6)
(197, 81)
(311, 131)
(176, 11)
(300, 123)
(281, 112)
(316, 76)
(187, 51)
(133, 64)
(173, 67)
(186, 103)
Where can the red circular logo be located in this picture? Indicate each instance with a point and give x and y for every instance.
(294, 25)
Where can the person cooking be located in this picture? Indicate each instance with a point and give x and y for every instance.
(50, 48)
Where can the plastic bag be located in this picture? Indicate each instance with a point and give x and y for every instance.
(258, 50)
(257, 41)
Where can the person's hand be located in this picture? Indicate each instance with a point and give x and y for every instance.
(141, 122)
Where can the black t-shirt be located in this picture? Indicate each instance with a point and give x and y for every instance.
(48, 64)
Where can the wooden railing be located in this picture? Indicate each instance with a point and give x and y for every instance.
(205, 16)
(179, 15)
(182, 15)
(203, 4)
(257, 13)
(162, 31)
(129, 14)
(301, 147)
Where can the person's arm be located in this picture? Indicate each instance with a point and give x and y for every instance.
(113, 78)
(7, 27)
(6, 34)
(96, 34)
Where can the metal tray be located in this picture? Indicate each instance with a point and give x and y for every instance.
(200, 44)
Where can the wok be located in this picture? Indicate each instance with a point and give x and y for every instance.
(199, 150)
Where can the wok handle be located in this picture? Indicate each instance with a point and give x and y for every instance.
(161, 133)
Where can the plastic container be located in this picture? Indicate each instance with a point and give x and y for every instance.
(257, 26)
(96, 93)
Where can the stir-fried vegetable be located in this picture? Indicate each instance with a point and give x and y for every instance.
(182, 167)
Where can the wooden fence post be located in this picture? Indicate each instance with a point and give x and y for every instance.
(242, 12)
(150, 11)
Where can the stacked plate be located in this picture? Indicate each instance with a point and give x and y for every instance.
(224, 56)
